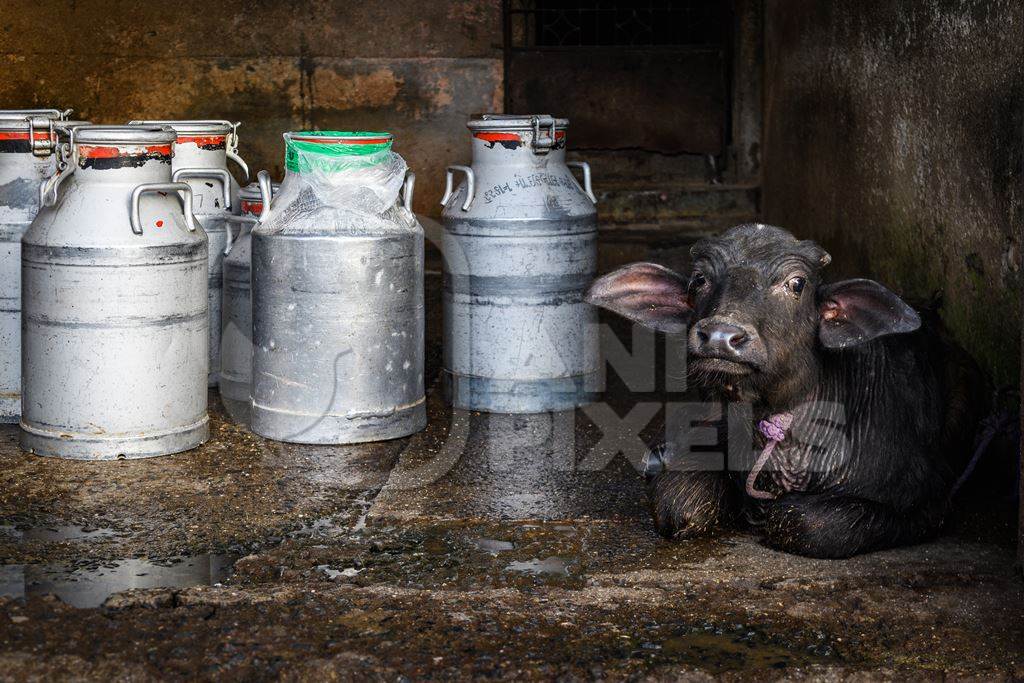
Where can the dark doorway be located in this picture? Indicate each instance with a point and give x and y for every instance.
(648, 75)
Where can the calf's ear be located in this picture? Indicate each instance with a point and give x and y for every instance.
(646, 293)
(857, 311)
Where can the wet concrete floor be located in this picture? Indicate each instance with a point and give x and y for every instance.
(478, 548)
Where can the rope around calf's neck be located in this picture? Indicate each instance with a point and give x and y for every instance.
(774, 429)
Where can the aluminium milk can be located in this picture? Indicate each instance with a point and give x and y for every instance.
(201, 159)
(236, 316)
(114, 299)
(27, 141)
(520, 249)
(337, 287)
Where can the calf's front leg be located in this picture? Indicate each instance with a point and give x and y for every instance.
(686, 503)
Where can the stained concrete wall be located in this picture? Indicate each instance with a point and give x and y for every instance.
(893, 135)
(418, 69)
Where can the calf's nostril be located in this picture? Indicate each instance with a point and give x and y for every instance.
(738, 339)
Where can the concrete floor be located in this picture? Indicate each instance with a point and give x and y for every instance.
(471, 549)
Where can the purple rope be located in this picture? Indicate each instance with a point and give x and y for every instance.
(774, 429)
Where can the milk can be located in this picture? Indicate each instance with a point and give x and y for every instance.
(27, 141)
(201, 159)
(337, 287)
(114, 301)
(236, 330)
(519, 246)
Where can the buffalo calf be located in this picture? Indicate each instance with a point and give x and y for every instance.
(865, 413)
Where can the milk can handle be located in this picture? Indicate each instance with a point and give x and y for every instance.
(186, 199)
(266, 193)
(241, 221)
(586, 178)
(220, 174)
(407, 189)
(470, 185)
(233, 155)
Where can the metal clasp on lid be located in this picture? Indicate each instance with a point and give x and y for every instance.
(543, 143)
(41, 148)
(66, 165)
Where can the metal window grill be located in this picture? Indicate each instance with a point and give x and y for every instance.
(562, 24)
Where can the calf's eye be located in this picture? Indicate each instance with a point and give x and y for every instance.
(796, 284)
(698, 280)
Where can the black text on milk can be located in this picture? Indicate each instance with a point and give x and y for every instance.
(27, 142)
(236, 315)
(201, 156)
(114, 303)
(520, 249)
(337, 286)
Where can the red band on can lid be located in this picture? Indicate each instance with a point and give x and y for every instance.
(109, 152)
(498, 137)
(18, 135)
(204, 140)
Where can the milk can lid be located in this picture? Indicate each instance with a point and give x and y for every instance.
(17, 119)
(515, 122)
(361, 140)
(192, 126)
(331, 150)
(64, 126)
(124, 135)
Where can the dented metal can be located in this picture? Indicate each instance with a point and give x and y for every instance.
(201, 155)
(337, 287)
(115, 310)
(236, 330)
(28, 138)
(520, 249)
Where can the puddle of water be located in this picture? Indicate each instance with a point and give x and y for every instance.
(322, 528)
(549, 566)
(85, 588)
(719, 652)
(337, 525)
(493, 546)
(332, 573)
(59, 532)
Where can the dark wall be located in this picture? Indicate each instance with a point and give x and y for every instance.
(418, 69)
(893, 136)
